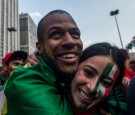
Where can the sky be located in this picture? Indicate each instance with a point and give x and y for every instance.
(92, 17)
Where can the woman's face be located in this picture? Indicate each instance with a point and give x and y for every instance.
(93, 81)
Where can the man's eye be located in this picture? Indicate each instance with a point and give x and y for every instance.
(75, 34)
(55, 34)
(16, 64)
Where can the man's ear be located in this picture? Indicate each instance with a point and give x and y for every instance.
(39, 47)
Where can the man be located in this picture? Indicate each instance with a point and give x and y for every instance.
(10, 62)
(37, 89)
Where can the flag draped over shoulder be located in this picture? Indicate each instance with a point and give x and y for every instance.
(33, 91)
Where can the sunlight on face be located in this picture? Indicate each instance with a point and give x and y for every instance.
(93, 81)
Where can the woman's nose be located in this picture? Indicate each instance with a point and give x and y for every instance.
(93, 89)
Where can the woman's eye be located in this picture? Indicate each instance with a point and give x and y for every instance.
(89, 73)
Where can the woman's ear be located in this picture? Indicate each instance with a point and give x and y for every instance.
(39, 47)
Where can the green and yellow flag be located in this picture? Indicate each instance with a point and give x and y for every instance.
(33, 91)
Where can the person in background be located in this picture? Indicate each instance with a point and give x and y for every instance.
(130, 72)
(10, 62)
(131, 97)
(132, 65)
(129, 69)
(126, 78)
(131, 90)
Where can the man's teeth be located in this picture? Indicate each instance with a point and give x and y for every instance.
(68, 56)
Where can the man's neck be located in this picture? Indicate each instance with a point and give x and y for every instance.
(63, 81)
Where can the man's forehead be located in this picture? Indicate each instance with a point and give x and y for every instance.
(57, 18)
(58, 15)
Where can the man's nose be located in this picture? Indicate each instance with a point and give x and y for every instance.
(68, 41)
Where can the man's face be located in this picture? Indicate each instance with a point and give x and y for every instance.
(12, 65)
(62, 44)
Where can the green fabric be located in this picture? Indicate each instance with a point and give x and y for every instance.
(33, 91)
(116, 103)
(2, 79)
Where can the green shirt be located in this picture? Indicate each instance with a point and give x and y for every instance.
(33, 91)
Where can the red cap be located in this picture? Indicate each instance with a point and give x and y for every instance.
(11, 55)
(7, 56)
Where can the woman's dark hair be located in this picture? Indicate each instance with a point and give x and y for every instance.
(106, 49)
(125, 54)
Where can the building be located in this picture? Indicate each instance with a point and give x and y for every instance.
(9, 27)
(28, 33)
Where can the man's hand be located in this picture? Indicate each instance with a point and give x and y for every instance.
(32, 59)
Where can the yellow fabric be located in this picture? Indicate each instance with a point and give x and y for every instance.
(4, 110)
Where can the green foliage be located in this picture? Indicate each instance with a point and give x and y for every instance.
(129, 46)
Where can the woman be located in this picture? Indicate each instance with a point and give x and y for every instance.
(99, 74)
(94, 88)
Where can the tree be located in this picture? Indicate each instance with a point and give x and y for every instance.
(129, 46)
